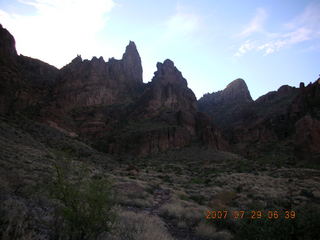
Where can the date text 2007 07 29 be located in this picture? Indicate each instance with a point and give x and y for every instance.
(254, 214)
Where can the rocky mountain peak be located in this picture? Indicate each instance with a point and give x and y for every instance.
(285, 89)
(131, 53)
(131, 49)
(168, 63)
(77, 59)
(132, 63)
(167, 73)
(168, 90)
(225, 106)
(166, 66)
(100, 59)
(7, 45)
(237, 90)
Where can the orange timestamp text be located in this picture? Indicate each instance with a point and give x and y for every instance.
(252, 214)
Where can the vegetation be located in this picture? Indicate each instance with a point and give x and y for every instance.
(86, 205)
(163, 196)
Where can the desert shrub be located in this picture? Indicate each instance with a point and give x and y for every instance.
(181, 210)
(205, 229)
(85, 205)
(208, 230)
(15, 221)
(138, 226)
(166, 179)
(183, 196)
(197, 180)
(198, 199)
(226, 197)
(172, 210)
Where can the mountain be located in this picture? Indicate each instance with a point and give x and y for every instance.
(107, 103)
(164, 116)
(226, 106)
(25, 83)
(282, 122)
(84, 83)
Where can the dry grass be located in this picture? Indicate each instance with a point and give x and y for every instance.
(222, 200)
(206, 230)
(209, 231)
(16, 222)
(133, 193)
(188, 212)
(139, 226)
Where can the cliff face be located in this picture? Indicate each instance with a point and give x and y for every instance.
(9, 73)
(235, 92)
(167, 90)
(106, 103)
(226, 106)
(273, 123)
(96, 82)
(8, 51)
(164, 116)
(24, 82)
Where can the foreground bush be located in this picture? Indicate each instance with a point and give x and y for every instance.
(85, 205)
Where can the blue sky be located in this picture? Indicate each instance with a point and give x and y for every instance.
(267, 43)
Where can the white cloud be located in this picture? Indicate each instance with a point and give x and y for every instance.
(60, 29)
(256, 23)
(182, 23)
(244, 48)
(304, 27)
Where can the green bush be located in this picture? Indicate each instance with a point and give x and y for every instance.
(85, 205)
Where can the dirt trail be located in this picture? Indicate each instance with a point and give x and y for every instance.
(160, 197)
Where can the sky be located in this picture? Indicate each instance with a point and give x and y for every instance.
(268, 43)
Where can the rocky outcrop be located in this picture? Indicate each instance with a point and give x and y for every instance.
(236, 91)
(24, 82)
(8, 51)
(228, 105)
(9, 77)
(164, 117)
(284, 94)
(209, 134)
(132, 67)
(106, 103)
(271, 124)
(86, 83)
(307, 138)
(306, 102)
(167, 91)
(144, 142)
